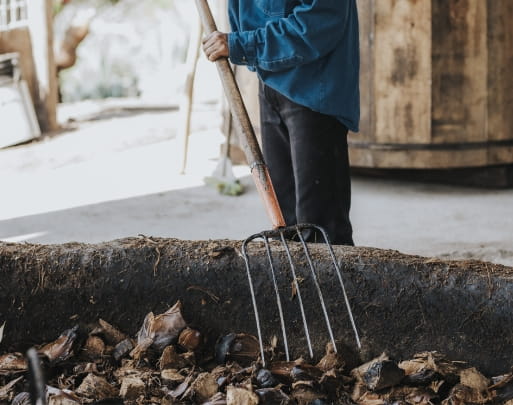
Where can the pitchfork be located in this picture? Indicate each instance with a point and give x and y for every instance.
(280, 231)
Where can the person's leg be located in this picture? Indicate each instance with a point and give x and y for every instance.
(320, 163)
(276, 151)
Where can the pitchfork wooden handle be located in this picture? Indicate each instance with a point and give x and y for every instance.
(240, 115)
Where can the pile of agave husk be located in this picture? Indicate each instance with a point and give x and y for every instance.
(168, 362)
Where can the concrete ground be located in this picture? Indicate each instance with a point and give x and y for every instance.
(114, 173)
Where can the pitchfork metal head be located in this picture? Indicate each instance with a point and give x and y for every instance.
(296, 233)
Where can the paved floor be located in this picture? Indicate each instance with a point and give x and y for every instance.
(115, 175)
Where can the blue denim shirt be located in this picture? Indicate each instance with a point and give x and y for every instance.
(308, 50)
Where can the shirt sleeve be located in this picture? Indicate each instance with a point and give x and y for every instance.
(311, 31)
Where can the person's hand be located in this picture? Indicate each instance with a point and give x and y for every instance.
(215, 46)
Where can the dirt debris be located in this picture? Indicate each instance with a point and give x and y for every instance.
(132, 388)
(61, 348)
(95, 365)
(159, 331)
(112, 335)
(240, 396)
(11, 363)
(95, 387)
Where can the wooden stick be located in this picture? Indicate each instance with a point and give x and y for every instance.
(240, 115)
(193, 53)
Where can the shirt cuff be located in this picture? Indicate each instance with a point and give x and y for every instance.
(241, 46)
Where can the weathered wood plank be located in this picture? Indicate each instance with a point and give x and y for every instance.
(459, 71)
(402, 79)
(366, 10)
(423, 158)
(500, 69)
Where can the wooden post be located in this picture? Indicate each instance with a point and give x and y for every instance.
(40, 18)
(186, 102)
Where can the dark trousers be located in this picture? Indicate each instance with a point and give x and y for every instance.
(307, 156)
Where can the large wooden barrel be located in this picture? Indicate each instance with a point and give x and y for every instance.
(436, 84)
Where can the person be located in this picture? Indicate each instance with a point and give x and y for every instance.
(306, 55)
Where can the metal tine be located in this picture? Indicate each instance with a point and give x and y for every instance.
(253, 297)
(265, 238)
(278, 298)
(317, 287)
(298, 292)
(37, 385)
(281, 233)
(339, 275)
